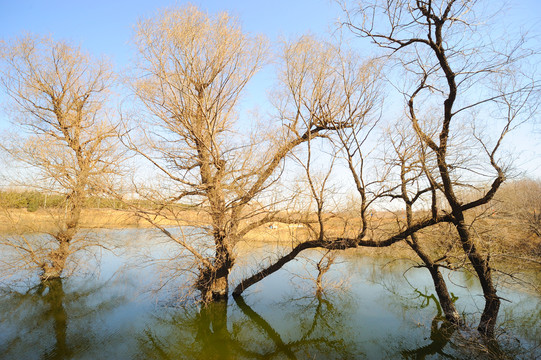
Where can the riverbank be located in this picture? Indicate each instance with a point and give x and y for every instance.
(44, 220)
(505, 238)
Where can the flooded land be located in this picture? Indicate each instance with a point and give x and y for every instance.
(125, 304)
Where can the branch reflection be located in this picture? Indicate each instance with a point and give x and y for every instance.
(220, 331)
(52, 323)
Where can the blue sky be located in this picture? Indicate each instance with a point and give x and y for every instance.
(105, 28)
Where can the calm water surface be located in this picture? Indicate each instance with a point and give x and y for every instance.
(373, 308)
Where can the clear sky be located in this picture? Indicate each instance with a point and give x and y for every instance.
(104, 27)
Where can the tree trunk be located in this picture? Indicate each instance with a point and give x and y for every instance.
(55, 262)
(213, 285)
(480, 264)
(484, 273)
(440, 286)
(213, 281)
(490, 312)
(446, 302)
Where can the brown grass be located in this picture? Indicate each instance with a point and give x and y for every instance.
(501, 236)
(45, 220)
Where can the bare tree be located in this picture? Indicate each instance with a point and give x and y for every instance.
(66, 141)
(434, 33)
(192, 70)
(319, 192)
(416, 181)
(441, 48)
(325, 83)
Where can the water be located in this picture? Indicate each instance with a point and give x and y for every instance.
(372, 308)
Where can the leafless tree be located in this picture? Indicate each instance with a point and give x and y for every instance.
(434, 33)
(416, 182)
(455, 67)
(324, 82)
(66, 141)
(192, 69)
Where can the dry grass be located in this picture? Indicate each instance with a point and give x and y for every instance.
(501, 236)
(45, 220)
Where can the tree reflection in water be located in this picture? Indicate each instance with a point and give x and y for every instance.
(441, 332)
(376, 317)
(446, 337)
(52, 293)
(46, 322)
(211, 332)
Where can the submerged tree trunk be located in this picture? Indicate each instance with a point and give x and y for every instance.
(446, 302)
(213, 281)
(55, 262)
(213, 284)
(483, 270)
